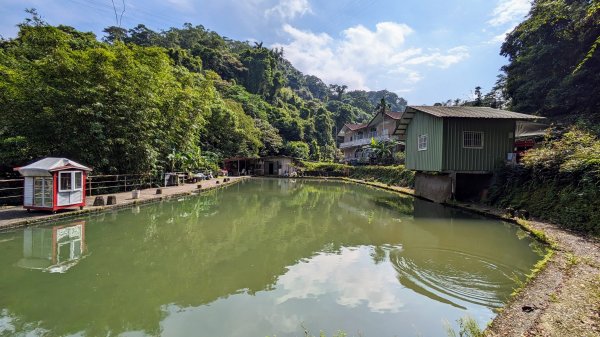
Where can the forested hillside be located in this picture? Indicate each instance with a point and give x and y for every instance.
(554, 71)
(553, 65)
(138, 100)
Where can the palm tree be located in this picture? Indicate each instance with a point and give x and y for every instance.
(383, 106)
(383, 150)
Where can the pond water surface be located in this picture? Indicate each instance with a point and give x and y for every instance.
(262, 257)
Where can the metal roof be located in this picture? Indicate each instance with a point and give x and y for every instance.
(393, 114)
(355, 126)
(530, 129)
(471, 112)
(50, 164)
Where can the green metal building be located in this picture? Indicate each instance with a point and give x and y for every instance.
(457, 140)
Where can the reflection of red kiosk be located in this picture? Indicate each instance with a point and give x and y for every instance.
(53, 183)
(53, 249)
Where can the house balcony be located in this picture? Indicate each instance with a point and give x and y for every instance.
(363, 141)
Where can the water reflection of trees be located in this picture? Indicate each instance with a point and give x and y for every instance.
(192, 252)
(197, 250)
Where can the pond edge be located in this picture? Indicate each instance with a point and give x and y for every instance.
(524, 290)
(101, 209)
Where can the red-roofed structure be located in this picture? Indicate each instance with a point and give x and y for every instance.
(53, 184)
(354, 139)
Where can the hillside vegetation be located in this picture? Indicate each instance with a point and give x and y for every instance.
(554, 71)
(559, 181)
(181, 99)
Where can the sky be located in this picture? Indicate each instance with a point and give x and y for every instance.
(426, 51)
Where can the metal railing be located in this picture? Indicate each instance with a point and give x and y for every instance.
(363, 141)
(11, 192)
(104, 184)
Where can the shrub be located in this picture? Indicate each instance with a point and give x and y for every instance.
(392, 175)
(297, 149)
(325, 169)
(559, 182)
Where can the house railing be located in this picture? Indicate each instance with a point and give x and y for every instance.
(363, 141)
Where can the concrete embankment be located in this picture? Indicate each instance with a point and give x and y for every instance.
(14, 217)
(562, 295)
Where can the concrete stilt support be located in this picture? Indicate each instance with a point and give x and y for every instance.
(435, 187)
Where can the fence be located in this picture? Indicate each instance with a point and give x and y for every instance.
(104, 184)
(11, 190)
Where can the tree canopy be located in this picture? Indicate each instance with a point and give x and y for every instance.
(132, 100)
(554, 64)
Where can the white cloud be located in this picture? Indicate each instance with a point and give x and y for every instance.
(501, 37)
(453, 55)
(289, 9)
(362, 56)
(509, 11)
(507, 14)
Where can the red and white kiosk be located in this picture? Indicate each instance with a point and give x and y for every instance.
(53, 183)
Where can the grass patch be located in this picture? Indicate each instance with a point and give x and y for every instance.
(537, 268)
(537, 233)
(467, 327)
(572, 260)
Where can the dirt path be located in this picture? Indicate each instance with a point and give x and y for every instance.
(565, 296)
(563, 299)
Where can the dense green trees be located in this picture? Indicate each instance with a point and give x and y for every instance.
(554, 64)
(118, 107)
(138, 99)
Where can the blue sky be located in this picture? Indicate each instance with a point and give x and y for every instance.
(426, 51)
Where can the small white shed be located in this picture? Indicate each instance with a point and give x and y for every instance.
(53, 184)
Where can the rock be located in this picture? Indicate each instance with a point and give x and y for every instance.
(527, 308)
(99, 201)
(510, 211)
(159, 191)
(199, 186)
(523, 214)
(111, 200)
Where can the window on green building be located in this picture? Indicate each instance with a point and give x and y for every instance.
(422, 143)
(473, 140)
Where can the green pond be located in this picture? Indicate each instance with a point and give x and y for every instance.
(262, 257)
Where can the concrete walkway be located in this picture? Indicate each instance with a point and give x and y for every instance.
(17, 216)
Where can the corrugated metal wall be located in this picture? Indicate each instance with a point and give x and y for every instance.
(430, 159)
(497, 142)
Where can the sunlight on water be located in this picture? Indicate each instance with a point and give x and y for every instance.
(263, 257)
